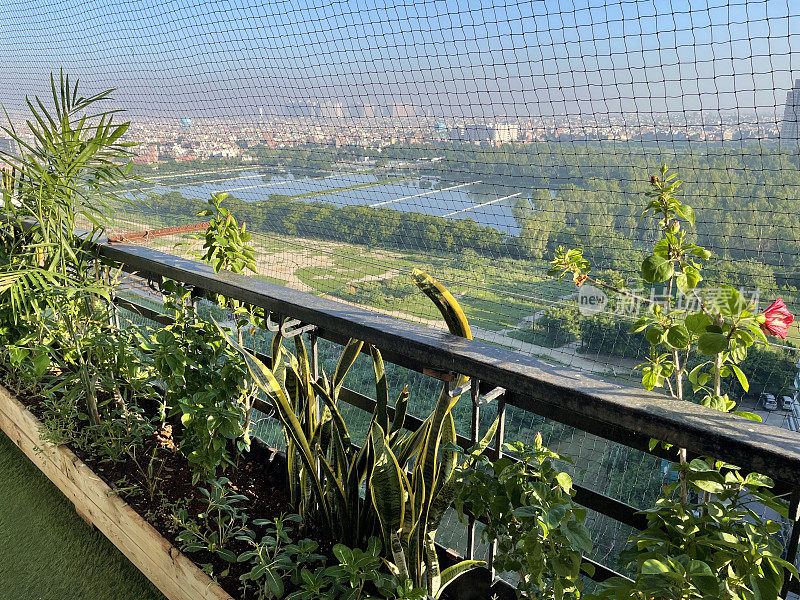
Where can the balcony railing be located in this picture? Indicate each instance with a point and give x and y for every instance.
(503, 378)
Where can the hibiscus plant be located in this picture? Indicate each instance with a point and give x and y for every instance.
(718, 322)
(716, 546)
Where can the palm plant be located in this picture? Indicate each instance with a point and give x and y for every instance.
(64, 177)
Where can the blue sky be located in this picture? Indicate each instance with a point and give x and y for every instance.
(463, 58)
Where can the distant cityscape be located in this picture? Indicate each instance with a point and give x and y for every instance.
(188, 138)
(373, 126)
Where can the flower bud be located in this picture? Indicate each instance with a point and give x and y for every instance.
(654, 179)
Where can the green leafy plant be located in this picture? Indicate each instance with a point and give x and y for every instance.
(205, 383)
(275, 557)
(221, 521)
(529, 511)
(357, 576)
(718, 322)
(717, 548)
(128, 434)
(226, 243)
(49, 286)
(326, 471)
(226, 248)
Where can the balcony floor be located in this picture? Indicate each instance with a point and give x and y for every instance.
(47, 552)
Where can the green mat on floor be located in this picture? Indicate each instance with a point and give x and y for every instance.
(47, 552)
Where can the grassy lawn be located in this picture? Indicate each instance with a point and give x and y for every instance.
(323, 279)
(489, 310)
(47, 552)
(274, 280)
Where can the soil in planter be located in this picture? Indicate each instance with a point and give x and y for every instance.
(261, 481)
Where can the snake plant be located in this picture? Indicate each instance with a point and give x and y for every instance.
(408, 477)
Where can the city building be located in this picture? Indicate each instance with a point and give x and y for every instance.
(7, 145)
(790, 127)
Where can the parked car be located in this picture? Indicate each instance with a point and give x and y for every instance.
(786, 402)
(768, 401)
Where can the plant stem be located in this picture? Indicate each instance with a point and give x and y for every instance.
(681, 451)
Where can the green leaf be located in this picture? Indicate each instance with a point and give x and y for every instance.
(654, 335)
(274, 583)
(678, 336)
(578, 536)
(747, 415)
(451, 573)
(226, 555)
(708, 481)
(656, 269)
(387, 485)
(740, 376)
(697, 323)
(381, 388)
(564, 481)
(687, 212)
(654, 566)
(758, 480)
(688, 279)
(346, 360)
(711, 343)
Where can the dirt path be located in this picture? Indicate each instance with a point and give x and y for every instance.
(283, 265)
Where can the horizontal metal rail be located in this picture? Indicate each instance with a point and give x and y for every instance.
(594, 404)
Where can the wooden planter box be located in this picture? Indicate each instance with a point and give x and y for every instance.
(176, 576)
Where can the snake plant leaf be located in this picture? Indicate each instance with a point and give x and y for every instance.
(406, 447)
(278, 363)
(451, 573)
(400, 407)
(449, 457)
(346, 360)
(336, 416)
(484, 442)
(303, 375)
(342, 503)
(433, 572)
(427, 459)
(448, 306)
(381, 388)
(445, 486)
(447, 490)
(264, 378)
(398, 555)
(386, 485)
(445, 301)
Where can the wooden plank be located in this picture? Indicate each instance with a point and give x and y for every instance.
(174, 574)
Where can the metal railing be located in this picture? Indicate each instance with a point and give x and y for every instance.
(501, 378)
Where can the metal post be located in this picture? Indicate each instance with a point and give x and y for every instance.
(794, 536)
(474, 437)
(499, 439)
(313, 339)
(113, 311)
